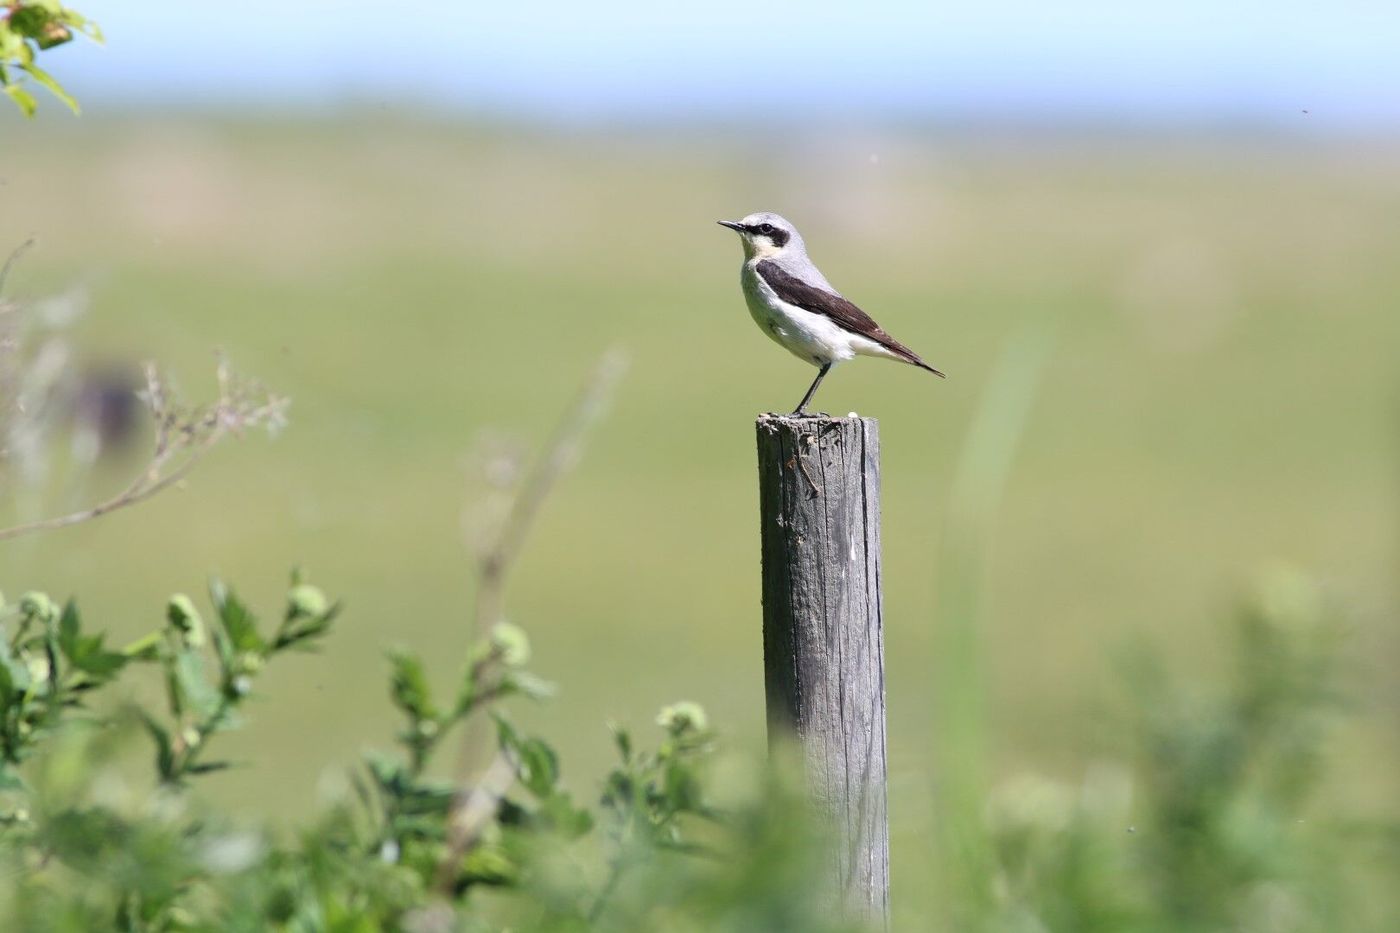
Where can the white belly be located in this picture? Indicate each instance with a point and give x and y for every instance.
(812, 337)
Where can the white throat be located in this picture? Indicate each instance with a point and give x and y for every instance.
(755, 248)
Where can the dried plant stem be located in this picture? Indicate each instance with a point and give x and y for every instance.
(182, 439)
(559, 455)
(142, 488)
(476, 799)
(14, 256)
(472, 811)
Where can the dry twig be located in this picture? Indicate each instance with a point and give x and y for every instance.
(182, 437)
(498, 557)
(476, 800)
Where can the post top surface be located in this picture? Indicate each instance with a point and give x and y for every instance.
(813, 420)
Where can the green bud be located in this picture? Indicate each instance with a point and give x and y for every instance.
(38, 667)
(511, 643)
(38, 605)
(182, 614)
(427, 728)
(250, 662)
(683, 717)
(190, 736)
(306, 600)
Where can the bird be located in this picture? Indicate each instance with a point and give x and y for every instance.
(793, 303)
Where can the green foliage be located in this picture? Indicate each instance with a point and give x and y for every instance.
(88, 861)
(1214, 824)
(506, 849)
(28, 27)
(201, 704)
(49, 665)
(46, 667)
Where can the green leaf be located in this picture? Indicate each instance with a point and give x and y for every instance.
(536, 763)
(538, 767)
(299, 631)
(387, 772)
(623, 740)
(165, 752)
(409, 687)
(81, 23)
(86, 652)
(563, 817)
(489, 865)
(506, 736)
(681, 788)
(619, 790)
(237, 623)
(30, 21)
(68, 625)
(10, 44)
(198, 695)
(47, 80)
(93, 659)
(23, 99)
(15, 678)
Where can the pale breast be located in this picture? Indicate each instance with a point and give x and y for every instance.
(810, 336)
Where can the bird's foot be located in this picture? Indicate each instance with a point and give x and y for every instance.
(808, 414)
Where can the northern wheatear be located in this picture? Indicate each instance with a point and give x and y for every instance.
(794, 304)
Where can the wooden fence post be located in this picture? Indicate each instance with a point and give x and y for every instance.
(823, 643)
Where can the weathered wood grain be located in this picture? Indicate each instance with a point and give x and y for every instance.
(823, 642)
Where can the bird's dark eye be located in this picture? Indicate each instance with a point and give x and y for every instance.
(765, 229)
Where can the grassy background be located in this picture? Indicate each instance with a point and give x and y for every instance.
(1221, 394)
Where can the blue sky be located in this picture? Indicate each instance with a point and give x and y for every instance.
(1185, 61)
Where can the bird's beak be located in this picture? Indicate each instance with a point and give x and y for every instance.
(731, 224)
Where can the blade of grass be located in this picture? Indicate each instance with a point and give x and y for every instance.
(960, 744)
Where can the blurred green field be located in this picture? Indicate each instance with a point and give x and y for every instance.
(1222, 394)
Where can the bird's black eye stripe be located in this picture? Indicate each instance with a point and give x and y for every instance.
(779, 237)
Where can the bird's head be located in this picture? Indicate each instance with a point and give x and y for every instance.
(765, 234)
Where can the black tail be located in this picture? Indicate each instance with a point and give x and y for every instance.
(913, 359)
(922, 365)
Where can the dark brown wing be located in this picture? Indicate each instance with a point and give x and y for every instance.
(820, 301)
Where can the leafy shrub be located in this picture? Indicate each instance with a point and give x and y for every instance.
(1214, 822)
(507, 849)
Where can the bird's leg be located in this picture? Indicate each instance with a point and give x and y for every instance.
(821, 374)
